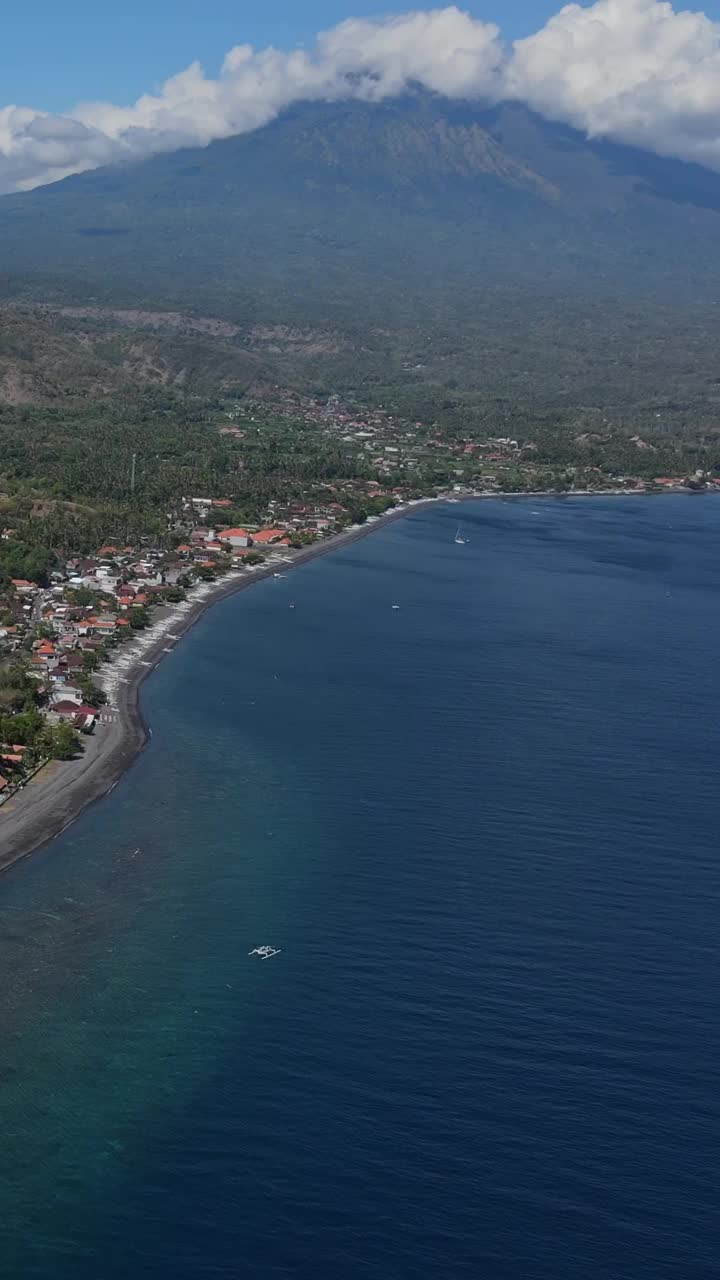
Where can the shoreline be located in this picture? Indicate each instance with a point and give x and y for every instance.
(61, 791)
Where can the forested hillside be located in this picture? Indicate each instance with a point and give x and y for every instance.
(339, 206)
(477, 268)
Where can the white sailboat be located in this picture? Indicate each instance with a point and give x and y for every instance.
(459, 538)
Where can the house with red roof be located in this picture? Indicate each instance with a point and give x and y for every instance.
(101, 626)
(235, 537)
(67, 710)
(265, 536)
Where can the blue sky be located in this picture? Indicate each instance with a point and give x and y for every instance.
(640, 71)
(55, 52)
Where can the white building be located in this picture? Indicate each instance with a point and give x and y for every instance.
(235, 537)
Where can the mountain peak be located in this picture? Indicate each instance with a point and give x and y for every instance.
(352, 197)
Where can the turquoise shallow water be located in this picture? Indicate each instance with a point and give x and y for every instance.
(483, 830)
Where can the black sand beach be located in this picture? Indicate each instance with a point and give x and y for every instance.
(54, 798)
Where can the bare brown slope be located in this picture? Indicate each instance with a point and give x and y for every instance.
(46, 357)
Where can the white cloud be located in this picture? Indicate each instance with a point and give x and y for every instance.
(446, 50)
(635, 70)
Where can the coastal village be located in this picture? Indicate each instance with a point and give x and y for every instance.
(61, 643)
(60, 639)
(415, 459)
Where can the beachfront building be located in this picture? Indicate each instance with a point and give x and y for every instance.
(235, 537)
(265, 537)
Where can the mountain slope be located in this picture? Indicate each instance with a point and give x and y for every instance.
(48, 358)
(339, 206)
(458, 259)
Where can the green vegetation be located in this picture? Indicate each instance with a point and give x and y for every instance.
(26, 737)
(17, 691)
(352, 212)
(480, 271)
(297, 328)
(65, 474)
(469, 275)
(93, 695)
(59, 742)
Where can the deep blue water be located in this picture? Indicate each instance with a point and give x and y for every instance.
(484, 830)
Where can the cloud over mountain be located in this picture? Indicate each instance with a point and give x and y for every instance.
(635, 70)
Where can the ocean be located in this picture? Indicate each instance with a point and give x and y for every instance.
(482, 829)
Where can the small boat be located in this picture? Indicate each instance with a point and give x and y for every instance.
(265, 953)
(279, 575)
(459, 538)
(396, 606)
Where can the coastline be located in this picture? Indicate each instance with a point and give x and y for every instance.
(60, 792)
